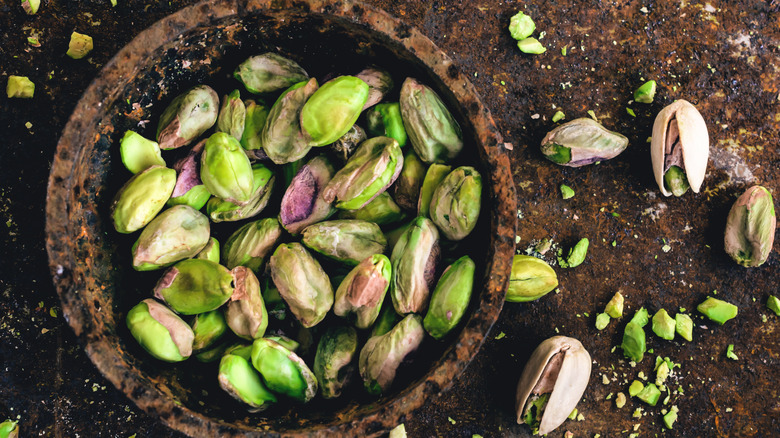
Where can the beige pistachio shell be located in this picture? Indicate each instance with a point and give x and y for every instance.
(694, 139)
(560, 366)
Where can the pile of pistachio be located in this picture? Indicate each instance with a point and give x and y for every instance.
(334, 218)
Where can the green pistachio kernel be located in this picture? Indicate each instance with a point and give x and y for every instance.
(650, 394)
(635, 388)
(663, 325)
(634, 344)
(80, 45)
(717, 310)
(602, 320)
(645, 93)
(566, 192)
(576, 255)
(521, 26)
(773, 304)
(684, 326)
(20, 87)
(531, 46)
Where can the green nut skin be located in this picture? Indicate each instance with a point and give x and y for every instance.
(238, 378)
(209, 328)
(641, 317)
(256, 115)
(456, 202)
(348, 241)
(634, 344)
(9, 429)
(348, 143)
(450, 298)
(414, 259)
(250, 245)
(283, 371)
(433, 178)
(210, 251)
(194, 286)
(232, 115)
(381, 355)
(433, 132)
(225, 211)
(406, 190)
(79, 46)
(717, 310)
(141, 198)
(382, 211)
(333, 109)
(773, 304)
(333, 363)
(663, 325)
(269, 72)
(531, 278)
(521, 26)
(160, 332)
(374, 166)
(178, 233)
(282, 138)
(245, 312)
(19, 87)
(614, 307)
(225, 169)
(385, 120)
(187, 117)
(750, 227)
(302, 283)
(645, 93)
(683, 325)
(138, 153)
(361, 293)
(379, 84)
(303, 203)
(582, 141)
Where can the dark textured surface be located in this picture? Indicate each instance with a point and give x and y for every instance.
(721, 56)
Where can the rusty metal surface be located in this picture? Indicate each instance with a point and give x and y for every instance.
(721, 56)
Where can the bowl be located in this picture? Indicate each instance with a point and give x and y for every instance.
(203, 43)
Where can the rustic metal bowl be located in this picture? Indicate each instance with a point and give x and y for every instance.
(90, 262)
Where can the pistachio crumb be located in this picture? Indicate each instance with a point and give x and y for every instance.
(451, 420)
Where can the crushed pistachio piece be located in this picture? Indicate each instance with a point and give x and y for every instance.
(635, 388)
(398, 432)
(573, 414)
(20, 87)
(614, 307)
(558, 116)
(730, 352)
(500, 335)
(645, 93)
(602, 320)
(31, 6)
(630, 112)
(532, 46)
(620, 400)
(717, 310)
(80, 45)
(566, 192)
(773, 304)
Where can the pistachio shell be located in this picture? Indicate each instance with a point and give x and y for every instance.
(693, 138)
(560, 366)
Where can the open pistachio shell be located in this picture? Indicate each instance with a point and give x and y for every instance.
(680, 139)
(560, 366)
(283, 371)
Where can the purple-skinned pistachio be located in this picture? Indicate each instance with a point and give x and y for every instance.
(178, 233)
(414, 259)
(382, 355)
(282, 138)
(345, 240)
(379, 84)
(189, 189)
(582, 141)
(269, 72)
(245, 312)
(249, 245)
(433, 132)
(301, 282)
(232, 115)
(187, 117)
(303, 203)
(160, 331)
(361, 293)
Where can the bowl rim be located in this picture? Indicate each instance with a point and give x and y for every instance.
(59, 221)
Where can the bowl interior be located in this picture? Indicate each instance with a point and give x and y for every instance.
(204, 44)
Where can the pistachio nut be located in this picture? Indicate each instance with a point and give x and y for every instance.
(141, 198)
(333, 109)
(683, 326)
(269, 72)
(333, 363)
(680, 140)
(360, 294)
(215, 352)
(663, 325)
(263, 184)
(282, 138)
(521, 26)
(346, 145)
(455, 203)
(187, 117)
(385, 120)
(379, 84)
(238, 378)
(209, 329)
(303, 203)
(406, 190)
(139, 153)
(394, 235)
(373, 167)
(380, 357)
(10, 428)
(245, 312)
(178, 233)
(283, 371)
(194, 286)
(433, 132)
(345, 240)
(582, 141)
(450, 298)
(160, 332)
(750, 227)
(210, 251)
(225, 169)
(614, 307)
(381, 211)
(717, 310)
(560, 367)
(634, 343)
(387, 319)
(249, 245)
(301, 282)
(232, 115)
(433, 178)
(531, 279)
(414, 260)
(189, 189)
(284, 341)
(256, 115)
